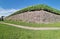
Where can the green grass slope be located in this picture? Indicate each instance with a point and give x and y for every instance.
(37, 8)
(10, 32)
(56, 24)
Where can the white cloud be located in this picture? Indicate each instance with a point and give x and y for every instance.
(6, 12)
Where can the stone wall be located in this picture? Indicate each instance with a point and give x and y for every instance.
(36, 17)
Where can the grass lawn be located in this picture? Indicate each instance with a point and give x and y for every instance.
(10, 32)
(57, 24)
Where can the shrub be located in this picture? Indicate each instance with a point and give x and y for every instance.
(37, 8)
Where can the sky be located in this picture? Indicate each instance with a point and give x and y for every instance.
(8, 7)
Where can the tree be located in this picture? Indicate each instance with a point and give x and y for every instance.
(2, 18)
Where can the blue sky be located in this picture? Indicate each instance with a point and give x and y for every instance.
(7, 7)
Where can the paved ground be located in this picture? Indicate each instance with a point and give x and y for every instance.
(33, 28)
